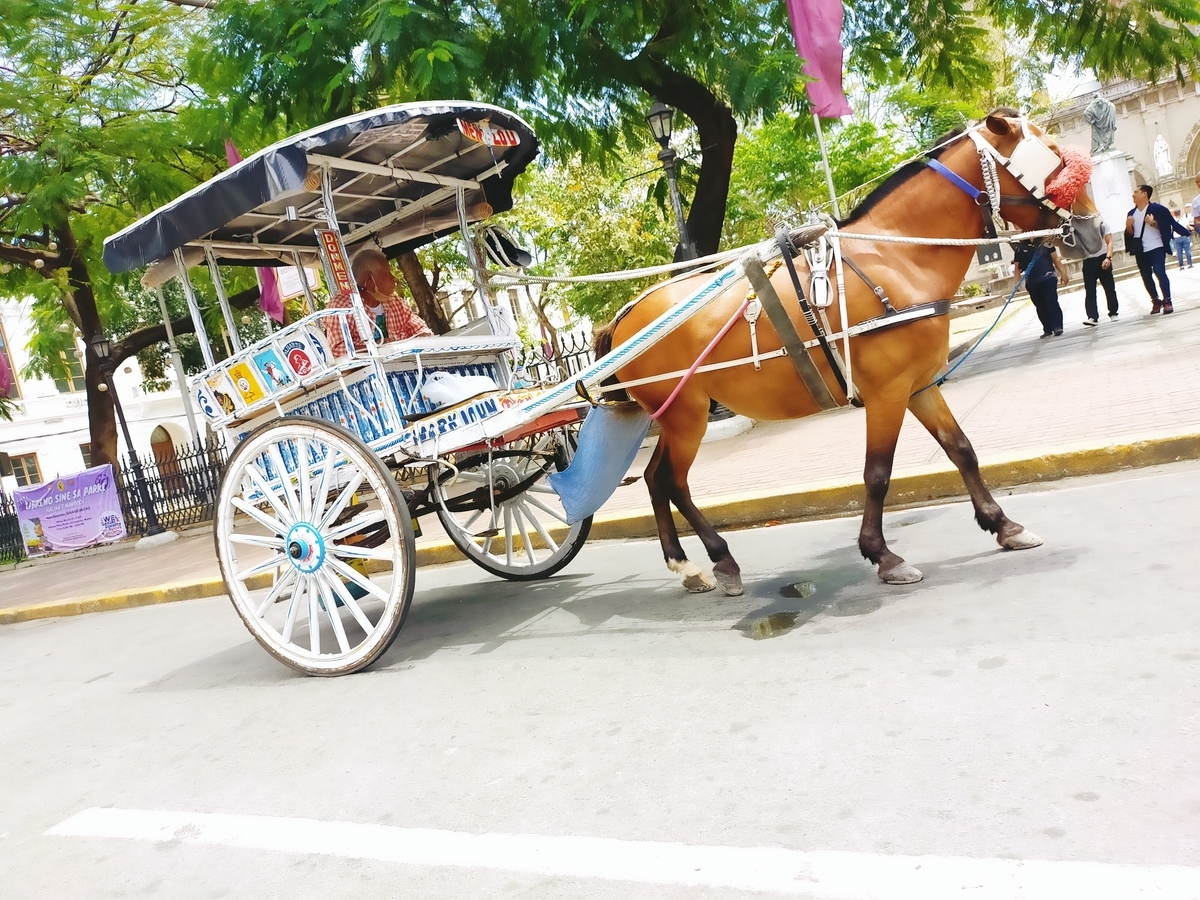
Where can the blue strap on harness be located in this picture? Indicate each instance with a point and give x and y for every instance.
(959, 182)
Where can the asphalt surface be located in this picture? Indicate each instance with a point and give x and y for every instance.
(1040, 705)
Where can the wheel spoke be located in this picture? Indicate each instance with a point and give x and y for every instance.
(302, 480)
(260, 482)
(342, 500)
(539, 527)
(285, 481)
(349, 602)
(314, 618)
(365, 583)
(321, 494)
(539, 488)
(335, 618)
(289, 624)
(264, 566)
(358, 523)
(259, 516)
(508, 535)
(525, 542)
(280, 584)
(273, 541)
(349, 551)
(548, 510)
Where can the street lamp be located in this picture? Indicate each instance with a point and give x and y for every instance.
(659, 120)
(102, 347)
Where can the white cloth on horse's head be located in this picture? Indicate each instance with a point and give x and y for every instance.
(1064, 187)
(608, 442)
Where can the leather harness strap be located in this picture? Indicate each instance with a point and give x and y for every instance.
(805, 367)
(788, 248)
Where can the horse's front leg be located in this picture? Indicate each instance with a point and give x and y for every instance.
(884, 419)
(660, 480)
(931, 410)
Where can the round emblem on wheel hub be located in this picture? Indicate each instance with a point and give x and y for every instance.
(305, 548)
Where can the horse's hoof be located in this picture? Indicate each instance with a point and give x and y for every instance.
(698, 583)
(694, 579)
(730, 581)
(1022, 540)
(901, 573)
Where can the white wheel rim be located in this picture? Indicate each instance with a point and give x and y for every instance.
(520, 535)
(328, 606)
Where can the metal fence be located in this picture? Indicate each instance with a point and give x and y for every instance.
(546, 363)
(12, 547)
(182, 486)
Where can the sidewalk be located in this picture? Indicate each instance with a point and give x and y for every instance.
(1017, 397)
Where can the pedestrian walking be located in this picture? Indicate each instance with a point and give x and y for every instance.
(1041, 283)
(1183, 242)
(1148, 230)
(1094, 243)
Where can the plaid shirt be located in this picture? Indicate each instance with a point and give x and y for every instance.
(400, 322)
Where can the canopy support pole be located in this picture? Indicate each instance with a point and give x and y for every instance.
(480, 276)
(310, 305)
(219, 283)
(177, 364)
(828, 174)
(194, 309)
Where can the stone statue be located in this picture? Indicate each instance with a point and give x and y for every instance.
(1102, 116)
(1162, 157)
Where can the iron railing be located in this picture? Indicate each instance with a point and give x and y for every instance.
(547, 363)
(12, 546)
(182, 486)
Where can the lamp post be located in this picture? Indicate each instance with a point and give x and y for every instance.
(103, 350)
(659, 120)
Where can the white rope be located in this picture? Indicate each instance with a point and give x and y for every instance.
(727, 255)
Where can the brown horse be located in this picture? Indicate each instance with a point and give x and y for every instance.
(889, 367)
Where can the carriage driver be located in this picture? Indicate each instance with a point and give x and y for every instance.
(394, 319)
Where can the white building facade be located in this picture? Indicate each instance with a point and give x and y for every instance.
(49, 435)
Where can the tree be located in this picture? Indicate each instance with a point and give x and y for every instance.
(584, 70)
(93, 132)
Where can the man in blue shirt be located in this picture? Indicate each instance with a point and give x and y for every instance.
(1041, 282)
(1154, 225)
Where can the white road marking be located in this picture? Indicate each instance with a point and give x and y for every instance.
(826, 874)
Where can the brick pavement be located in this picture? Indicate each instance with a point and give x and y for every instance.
(1017, 396)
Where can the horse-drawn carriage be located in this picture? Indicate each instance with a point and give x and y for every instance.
(313, 528)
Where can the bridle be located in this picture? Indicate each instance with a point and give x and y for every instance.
(1030, 163)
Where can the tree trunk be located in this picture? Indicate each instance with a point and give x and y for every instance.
(81, 306)
(422, 293)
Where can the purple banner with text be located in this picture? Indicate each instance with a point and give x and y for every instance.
(70, 513)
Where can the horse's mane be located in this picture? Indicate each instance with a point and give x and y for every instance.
(899, 177)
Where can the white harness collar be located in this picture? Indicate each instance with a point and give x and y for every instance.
(1031, 163)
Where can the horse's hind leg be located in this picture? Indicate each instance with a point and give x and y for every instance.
(666, 477)
(931, 410)
(884, 419)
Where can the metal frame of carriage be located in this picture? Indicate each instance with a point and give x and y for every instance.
(314, 533)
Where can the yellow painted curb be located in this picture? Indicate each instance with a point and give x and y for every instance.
(730, 512)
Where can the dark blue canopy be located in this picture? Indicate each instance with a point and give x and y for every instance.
(394, 174)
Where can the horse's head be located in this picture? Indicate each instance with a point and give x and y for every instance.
(1039, 181)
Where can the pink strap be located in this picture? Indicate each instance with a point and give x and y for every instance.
(700, 359)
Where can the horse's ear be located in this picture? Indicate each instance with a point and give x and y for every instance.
(999, 125)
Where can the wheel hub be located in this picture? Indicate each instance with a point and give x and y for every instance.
(305, 548)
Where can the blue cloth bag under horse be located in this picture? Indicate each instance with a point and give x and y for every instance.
(608, 442)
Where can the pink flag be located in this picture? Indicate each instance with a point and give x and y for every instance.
(5, 375)
(270, 299)
(817, 27)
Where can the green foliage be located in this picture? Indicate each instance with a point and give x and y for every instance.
(778, 174)
(582, 219)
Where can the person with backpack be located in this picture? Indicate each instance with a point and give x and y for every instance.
(1148, 230)
(1093, 244)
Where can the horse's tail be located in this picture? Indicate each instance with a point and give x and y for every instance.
(602, 345)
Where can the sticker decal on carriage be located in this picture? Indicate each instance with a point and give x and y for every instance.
(335, 259)
(451, 420)
(222, 392)
(486, 133)
(246, 382)
(272, 370)
(296, 353)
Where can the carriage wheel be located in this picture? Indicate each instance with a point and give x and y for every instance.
(502, 514)
(319, 564)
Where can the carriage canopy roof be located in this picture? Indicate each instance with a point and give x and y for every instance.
(394, 171)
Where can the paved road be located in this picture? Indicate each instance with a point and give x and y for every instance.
(1031, 706)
